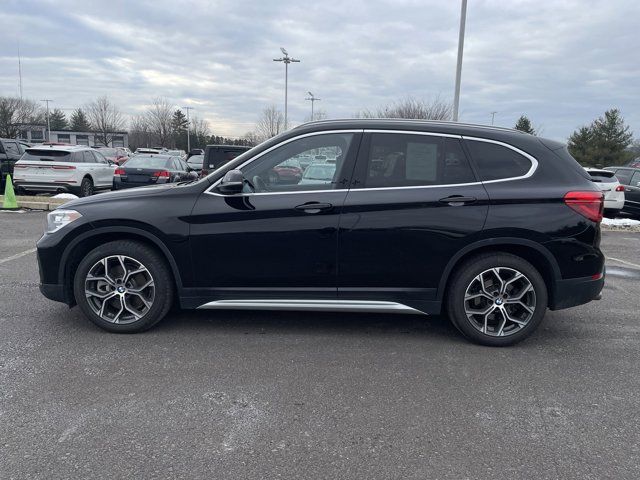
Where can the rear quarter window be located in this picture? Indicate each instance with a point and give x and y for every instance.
(496, 162)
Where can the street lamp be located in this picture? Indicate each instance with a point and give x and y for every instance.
(456, 95)
(188, 125)
(48, 124)
(313, 99)
(287, 60)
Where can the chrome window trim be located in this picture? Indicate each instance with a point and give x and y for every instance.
(534, 162)
(530, 172)
(252, 159)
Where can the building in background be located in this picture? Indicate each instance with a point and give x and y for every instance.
(38, 134)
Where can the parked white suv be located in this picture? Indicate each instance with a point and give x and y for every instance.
(607, 182)
(57, 169)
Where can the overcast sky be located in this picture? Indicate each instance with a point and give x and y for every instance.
(563, 63)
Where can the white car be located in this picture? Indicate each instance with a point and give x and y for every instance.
(610, 186)
(318, 174)
(76, 169)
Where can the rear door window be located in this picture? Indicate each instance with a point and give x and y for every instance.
(88, 157)
(635, 180)
(12, 148)
(407, 160)
(497, 162)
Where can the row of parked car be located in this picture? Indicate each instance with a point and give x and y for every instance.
(83, 170)
(621, 188)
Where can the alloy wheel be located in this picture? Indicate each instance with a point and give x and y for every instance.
(119, 289)
(500, 301)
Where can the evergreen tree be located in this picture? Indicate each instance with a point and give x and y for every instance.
(79, 121)
(58, 120)
(524, 125)
(179, 128)
(604, 142)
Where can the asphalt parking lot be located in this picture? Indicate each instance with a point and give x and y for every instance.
(298, 395)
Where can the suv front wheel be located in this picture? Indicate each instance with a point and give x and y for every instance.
(496, 299)
(123, 286)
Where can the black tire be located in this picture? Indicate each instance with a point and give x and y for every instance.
(463, 277)
(156, 267)
(86, 187)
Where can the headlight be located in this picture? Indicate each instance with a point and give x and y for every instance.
(59, 218)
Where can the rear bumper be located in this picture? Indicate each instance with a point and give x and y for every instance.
(43, 187)
(576, 291)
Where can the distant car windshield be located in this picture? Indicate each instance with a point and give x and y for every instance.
(108, 152)
(175, 153)
(196, 160)
(147, 162)
(319, 172)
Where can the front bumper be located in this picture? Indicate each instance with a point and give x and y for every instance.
(53, 292)
(576, 291)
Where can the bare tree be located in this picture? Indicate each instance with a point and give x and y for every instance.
(200, 132)
(140, 132)
(270, 123)
(105, 118)
(159, 119)
(412, 108)
(317, 115)
(15, 111)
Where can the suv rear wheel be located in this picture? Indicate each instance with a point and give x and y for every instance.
(496, 299)
(86, 187)
(123, 286)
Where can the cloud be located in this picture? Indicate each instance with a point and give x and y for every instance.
(561, 63)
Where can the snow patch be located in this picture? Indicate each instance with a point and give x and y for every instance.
(621, 222)
(70, 196)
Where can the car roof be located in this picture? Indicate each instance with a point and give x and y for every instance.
(228, 146)
(153, 155)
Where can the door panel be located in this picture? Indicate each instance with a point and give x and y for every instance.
(278, 239)
(395, 242)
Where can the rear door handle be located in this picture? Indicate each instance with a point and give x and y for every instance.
(314, 207)
(458, 200)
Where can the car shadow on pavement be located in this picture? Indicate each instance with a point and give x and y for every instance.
(275, 322)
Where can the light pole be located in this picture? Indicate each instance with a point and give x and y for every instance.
(313, 99)
(493, 114)
(456, 96)
(287, 60)
(188, 126)
(48, 124)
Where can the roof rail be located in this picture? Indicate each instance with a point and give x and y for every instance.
(408, 120)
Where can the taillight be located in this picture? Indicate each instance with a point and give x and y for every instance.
(588, 204)
(63, 167)
(119, 171)
(162, 174)
(620, 188)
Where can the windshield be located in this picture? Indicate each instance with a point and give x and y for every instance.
(147, 162)
(46, 155)
(196, 160)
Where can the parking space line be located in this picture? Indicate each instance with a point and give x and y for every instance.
(17, 255)
(623, 261)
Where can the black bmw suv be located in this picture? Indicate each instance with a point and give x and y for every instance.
(490, 226)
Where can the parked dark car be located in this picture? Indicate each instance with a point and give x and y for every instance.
(491, 226)
(216, 156)
(629, 178)
(10, 152)
(196, 163)
(142, 170)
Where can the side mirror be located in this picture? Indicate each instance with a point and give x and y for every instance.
(232, 182)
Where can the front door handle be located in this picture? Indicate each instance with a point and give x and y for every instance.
(457, 200)
(314, 207)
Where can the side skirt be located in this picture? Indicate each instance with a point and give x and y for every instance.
(311, 305)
